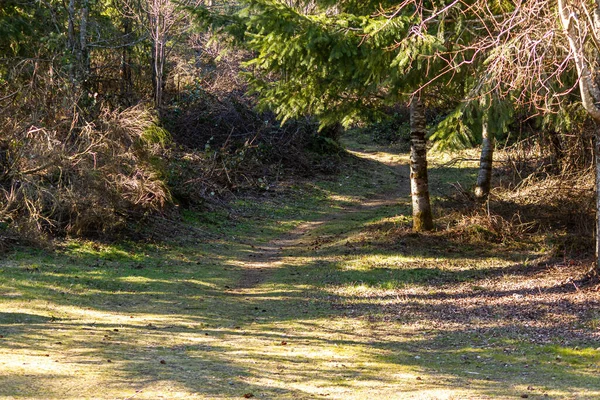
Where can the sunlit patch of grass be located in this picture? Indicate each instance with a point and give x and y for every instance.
(344, 200)
(107, 252)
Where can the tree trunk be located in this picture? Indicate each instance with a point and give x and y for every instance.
(597, 161)
(484, 180)
(422, 218)
(78, 46)
(126, 76)
(159, 59)
(71, 41)
(159, 41)
(83, 58)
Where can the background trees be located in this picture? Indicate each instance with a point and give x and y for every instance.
(404, 48)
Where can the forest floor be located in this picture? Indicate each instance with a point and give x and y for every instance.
(314, 290)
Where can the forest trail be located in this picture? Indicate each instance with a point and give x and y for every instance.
(320, 292)
(270, 256)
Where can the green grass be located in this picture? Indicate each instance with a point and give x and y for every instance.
(357, 307)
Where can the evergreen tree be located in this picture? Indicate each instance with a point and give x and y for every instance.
(344, 61)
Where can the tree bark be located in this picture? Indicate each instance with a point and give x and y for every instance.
(484, 179)
(83, 54)
(159, 59)
(589, 90)
(422, 218)
(126, 76)
(597, 160)
(78, 46)
(71, 41)
(157, 15)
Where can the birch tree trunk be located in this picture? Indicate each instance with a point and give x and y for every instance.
(159, 55)
(597, 160)
(484, 179)
(422, 218)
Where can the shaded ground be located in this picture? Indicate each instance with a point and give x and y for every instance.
(319, 291)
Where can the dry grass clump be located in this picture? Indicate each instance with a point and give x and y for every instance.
(479, 226)
(565, 200)
(561, 205)
(533, 200)
(558, 210)
(81, 178)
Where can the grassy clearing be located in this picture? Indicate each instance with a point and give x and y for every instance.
(317, 291)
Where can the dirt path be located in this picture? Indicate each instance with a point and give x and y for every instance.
(349, 305)
(266, 258)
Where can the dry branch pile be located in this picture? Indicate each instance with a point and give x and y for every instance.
(78, 177)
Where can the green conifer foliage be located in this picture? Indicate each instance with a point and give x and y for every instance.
(342, 61)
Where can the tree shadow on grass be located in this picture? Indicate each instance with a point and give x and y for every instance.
(10, 318)
(219, 340)
(227, 368)
(215, 322)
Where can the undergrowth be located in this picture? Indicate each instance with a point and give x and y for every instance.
(86, 166)
(78, 177)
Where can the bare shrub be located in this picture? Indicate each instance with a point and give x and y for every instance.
(222, 143)
(532, 200)
(80, 178)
